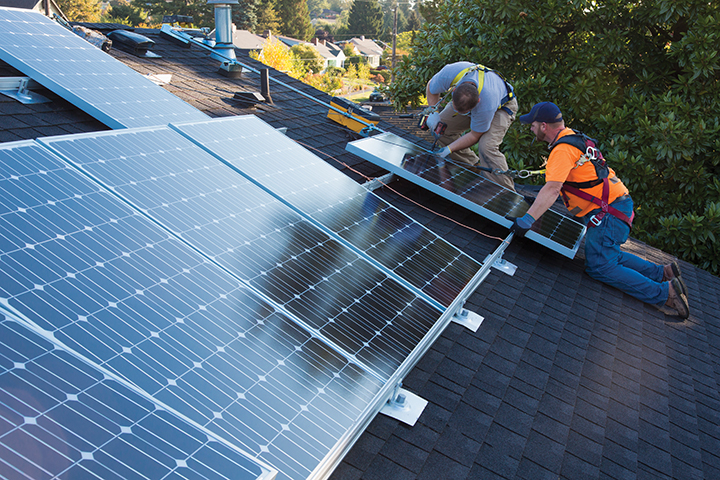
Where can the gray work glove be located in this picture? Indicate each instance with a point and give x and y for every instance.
(443, 152)
(433, 120)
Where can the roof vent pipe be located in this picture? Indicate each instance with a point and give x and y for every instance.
(265, 85)
(223, 30)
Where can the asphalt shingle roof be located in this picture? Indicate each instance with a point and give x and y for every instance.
(565, 378)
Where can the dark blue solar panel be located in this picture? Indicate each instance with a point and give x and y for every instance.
(84, 75)
(330, 288)
(467, 187)
(62, 418)
(118, 289)
(340, 205)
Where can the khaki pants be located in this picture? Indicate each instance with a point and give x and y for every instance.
(488, 145)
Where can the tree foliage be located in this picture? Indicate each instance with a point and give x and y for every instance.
(80, 10)
(276, 55)
(365, 18)
(267, 17)
(295, 19)
(245, 15)
(309, 57)
(430, 9)
(642, 77)
(121, 11)
(202, 13)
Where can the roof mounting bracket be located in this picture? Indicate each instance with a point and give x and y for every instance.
(503, 265)
(468, 319)
(404, 406)
(17, 88)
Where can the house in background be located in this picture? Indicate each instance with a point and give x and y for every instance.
(368, 49)
(333, 54)
(246, 41)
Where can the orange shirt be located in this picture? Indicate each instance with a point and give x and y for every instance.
(561, 167)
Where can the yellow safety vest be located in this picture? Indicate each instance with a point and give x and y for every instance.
(481, 81)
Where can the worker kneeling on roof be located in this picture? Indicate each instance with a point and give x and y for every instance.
(593, 193)
(481, 101)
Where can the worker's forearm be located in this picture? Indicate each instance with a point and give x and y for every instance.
(466, 141)
(545, 199)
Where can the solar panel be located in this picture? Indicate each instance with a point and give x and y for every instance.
(63, 418)
(83, 267)
(331, 289)
(84, 75)
(337, 203)
(468, 188)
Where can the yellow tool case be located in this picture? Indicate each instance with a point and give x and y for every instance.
(353, 109)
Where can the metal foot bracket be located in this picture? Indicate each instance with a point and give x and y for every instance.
(18, 88)
(468, 319)
(404, 406)
(503, 265)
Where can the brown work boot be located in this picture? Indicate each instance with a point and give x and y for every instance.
(672, 270)
(677, 300)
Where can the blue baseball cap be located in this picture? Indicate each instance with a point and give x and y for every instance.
(546, 112)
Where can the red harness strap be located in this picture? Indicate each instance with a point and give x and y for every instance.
(605, 207)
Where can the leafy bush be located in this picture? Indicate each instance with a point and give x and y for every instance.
(385, 74)
(641, 77)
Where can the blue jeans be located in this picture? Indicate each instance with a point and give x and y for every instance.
(605, 261)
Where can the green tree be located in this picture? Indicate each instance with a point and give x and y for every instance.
(121, 11)
(642, 77)
(308, 57)
(414, 21)
(244, 15)
(430, 9)
(295, 19)
(80, 10)
(202, 13)
(365, 18)
(267, 17)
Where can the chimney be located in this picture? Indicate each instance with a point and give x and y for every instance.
(315, 41)
(362, 37)
(267, 33)
(223, 30)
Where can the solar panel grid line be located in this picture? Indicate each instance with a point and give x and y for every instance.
(550, 226)
(84, 75)
(223, 137)
(160, 147)
(179, 265)
(56, 424)
(468, 188)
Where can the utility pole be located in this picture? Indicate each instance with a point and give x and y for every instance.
(392, 71)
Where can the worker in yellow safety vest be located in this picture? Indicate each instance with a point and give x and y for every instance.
(483, 102)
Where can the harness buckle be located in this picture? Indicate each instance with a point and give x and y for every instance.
(596, 219)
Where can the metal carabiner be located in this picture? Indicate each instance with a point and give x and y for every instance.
(592, 153)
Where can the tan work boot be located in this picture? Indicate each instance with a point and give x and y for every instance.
(672, 270)
(677, 300)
